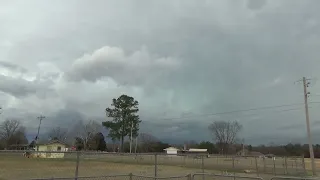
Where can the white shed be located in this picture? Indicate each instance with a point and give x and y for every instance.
(171, 150)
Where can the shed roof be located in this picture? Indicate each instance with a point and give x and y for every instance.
(197, 150)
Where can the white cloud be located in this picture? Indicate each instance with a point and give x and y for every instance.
(137, 68)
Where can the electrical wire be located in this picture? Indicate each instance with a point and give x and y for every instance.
(242, 110)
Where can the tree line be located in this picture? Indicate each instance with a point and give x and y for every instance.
(277, 150)
(123, 129)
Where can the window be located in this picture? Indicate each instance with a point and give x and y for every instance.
(59, 148)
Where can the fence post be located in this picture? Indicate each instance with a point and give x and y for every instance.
(264, 165)
(130, 176)
(274, 165)
(233, 166)
(202, 166)
(233, 162)
(286, 164)
(77, 165)
(257, 169)
(189, 176)
(202, 163)
(304, 164)
(283, 165)
(155, 166)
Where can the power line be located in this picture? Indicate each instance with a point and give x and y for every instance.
(237, 111)
(248, 115)
(284, 110)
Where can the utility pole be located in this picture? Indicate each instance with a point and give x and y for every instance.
(40, 119)
(306, 93)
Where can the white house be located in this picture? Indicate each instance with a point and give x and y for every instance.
(51, 149)
(171, 151)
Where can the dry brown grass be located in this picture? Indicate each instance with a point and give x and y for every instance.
(28, 168)
(15, 166)
(308, 163)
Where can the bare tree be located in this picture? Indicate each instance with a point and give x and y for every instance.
(58, 133)
(85, 131)
(225, 133)
(190, 144)
(12, 132)
(19, 137)
(8, 128)
(146, 141)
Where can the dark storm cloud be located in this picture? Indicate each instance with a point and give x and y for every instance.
(232, 55)
(13, 67)
(300, 126)
(177, 131)
(19, 87)
(256, 4)
(65, 118)
(291, 127)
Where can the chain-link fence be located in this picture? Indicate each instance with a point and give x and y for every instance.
(108, 177)
(71, 164)
(123, 177)
(204, 176)
(292, 178)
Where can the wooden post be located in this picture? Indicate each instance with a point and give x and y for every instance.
(257, 168)
(264, 165)
(274, 165)
(304, 164)
(77, 166)
(286, 165)
(155, 166)
(202, 166)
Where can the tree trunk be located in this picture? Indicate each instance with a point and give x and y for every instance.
(122, 138)
(123, 133)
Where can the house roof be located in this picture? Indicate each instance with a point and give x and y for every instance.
(270, 155)
(171, 148)
(255, 153)
(53, 142)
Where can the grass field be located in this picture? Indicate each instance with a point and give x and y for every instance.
(15, 166)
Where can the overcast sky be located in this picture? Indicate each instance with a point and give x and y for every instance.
(183, 60)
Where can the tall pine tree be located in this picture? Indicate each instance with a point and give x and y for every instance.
(124, 115)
